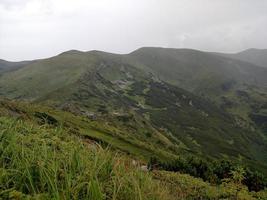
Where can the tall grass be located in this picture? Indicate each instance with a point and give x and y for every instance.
(48, 163)
(42, 162)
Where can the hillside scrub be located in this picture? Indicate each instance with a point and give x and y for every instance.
(213, 171)
(48, 162)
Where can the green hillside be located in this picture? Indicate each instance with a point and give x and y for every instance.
(221, 79)
(97, 82)
(6, 66)
(196, 70)
(44, 155)
(151, 102)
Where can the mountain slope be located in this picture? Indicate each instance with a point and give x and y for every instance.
(187, 68)
(236, 86)
(43, 76)
(43, 156)
(254, 56)
(140, 96)
(6, 66)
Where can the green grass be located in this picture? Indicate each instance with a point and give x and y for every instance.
(104, 130)
(44, 162)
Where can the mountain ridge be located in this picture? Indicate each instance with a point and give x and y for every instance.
(204, 103)
(252, 55)
(140, 48)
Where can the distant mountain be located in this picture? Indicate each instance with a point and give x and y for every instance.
(195, 70)
(179, 100)
(9, 66)
(236, 86)
(254, 56)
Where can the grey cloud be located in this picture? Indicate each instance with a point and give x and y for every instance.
(44, 28)
(10, 4)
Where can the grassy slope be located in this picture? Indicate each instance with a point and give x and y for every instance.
(91, 79)
(102, 130)
(188, 68)
(45, 163)
(42, 161)
(211, 75)
(6, 66)
(44, 76)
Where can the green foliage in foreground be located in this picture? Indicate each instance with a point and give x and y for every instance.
(45, 162)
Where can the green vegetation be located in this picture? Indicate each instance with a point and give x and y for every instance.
(104, 130)
(199, 113)
(144, 87)
(46, 162)
(214, 171)
(183, 186)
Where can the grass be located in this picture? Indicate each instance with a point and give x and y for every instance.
(104, 130)
(46, 162)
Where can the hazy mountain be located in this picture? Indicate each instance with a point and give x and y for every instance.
(9, 66)
(194, 101)
(255, 56)
(193, 70)
(237, 86)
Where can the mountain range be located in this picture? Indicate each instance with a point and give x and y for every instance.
(154, 101)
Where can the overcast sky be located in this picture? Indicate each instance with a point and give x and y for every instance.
(31, 29)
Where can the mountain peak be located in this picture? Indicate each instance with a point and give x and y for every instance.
(72, 51)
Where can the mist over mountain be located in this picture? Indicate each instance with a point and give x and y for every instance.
(255, 56)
